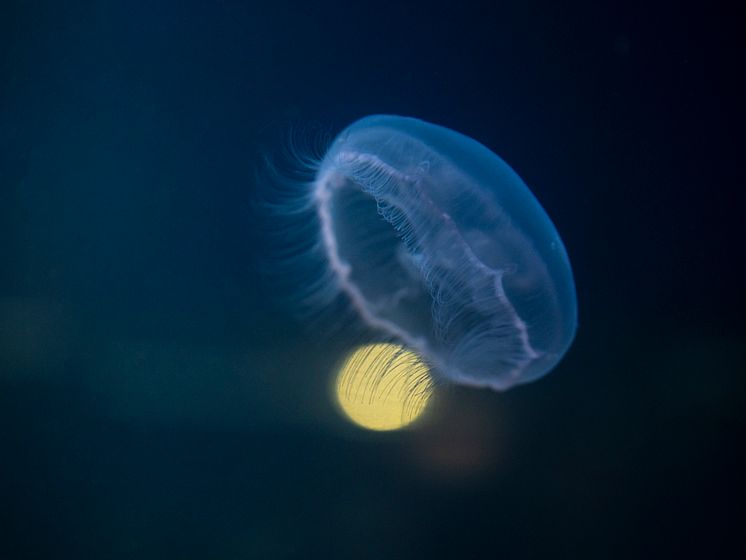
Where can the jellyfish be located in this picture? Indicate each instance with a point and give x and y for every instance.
(432, 242)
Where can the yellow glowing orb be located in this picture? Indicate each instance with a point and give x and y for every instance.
(383, 386)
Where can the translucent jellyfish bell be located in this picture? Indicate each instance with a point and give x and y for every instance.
(438, 245)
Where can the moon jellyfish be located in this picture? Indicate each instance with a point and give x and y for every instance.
(433, 243)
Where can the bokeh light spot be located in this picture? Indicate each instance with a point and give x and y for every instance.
(383, 386)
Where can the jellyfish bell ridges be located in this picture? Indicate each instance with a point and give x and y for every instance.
(438, 245)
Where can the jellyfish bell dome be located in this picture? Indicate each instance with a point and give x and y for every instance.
(437, 244)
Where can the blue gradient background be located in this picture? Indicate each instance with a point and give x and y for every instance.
(154, 402)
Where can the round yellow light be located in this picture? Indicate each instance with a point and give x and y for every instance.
(383, 386)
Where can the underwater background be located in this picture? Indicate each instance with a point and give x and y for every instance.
(155, 399)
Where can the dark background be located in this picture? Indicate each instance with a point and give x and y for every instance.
(155, 403)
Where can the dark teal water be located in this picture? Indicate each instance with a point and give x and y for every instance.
(155, 402)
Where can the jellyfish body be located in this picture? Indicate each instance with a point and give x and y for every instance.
(437, 244)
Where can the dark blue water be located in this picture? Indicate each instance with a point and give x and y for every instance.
(156, 402)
